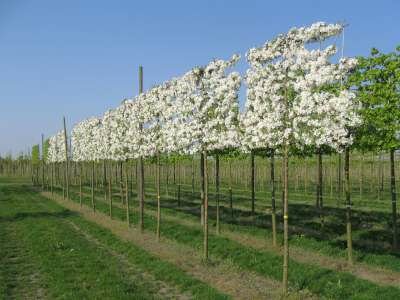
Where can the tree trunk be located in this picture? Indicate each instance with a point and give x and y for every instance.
(127, 195)
(192, 176)
(393, 196)
(217, 183)
(230, 188)
(110, 199)
(252, 182)
(92, 186)
(339, 180)
(141, 194)
(202, 188)
(319, 189)
(179, 183)
(66, 160)
(105, 181)
(121, 183)
(285, 221)
(273, 205)
(205, 243)
(80, 183)
(158, 198)
(348, 207)
(52, 178)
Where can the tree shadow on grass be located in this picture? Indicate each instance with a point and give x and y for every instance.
(37, 215)
(371, 230)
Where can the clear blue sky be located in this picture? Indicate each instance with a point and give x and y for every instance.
(79, 57)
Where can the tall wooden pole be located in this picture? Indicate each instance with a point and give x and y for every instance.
(141, 168)
(66, 159)
(42, 161)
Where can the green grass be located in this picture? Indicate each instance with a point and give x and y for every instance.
(66, 264)
(326, 283)
(330, 241)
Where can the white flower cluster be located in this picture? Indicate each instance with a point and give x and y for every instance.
(86, 140)
(292, 95)
(56, 150)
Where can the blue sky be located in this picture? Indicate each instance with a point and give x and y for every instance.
(79, 58)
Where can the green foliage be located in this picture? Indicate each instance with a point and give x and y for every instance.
(35, 155)
(377, 84)
(45, 150)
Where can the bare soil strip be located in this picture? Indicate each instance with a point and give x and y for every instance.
(221, 275)
(24, 283)
(376, 275)
(133, 272)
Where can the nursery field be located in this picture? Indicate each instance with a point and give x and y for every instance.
(186, 192)
(59, 247)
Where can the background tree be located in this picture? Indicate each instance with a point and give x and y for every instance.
(377, 82)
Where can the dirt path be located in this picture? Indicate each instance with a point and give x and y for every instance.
(223, 276)
(377, 275)
(24, 280)
(133, 272)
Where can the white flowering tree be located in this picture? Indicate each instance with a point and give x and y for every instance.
(206, 117)
(289, 102)
(86, 145)
(56, 155)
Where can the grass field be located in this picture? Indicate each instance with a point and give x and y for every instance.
(53, 248)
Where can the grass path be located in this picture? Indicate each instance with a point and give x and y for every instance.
(374, 274)
(321, 281)
(223, 276)
(50, 252)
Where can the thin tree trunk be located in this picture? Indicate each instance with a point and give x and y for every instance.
(319, 187)
(127, 194)
(193, 176)
(230, 188)
(110, 198)
(52, 178)
(66, 159)
(179, 183)
(202, 188)
(158, 198)
(121, 183)
(217, 183)
(141, 194)
(273, 205)
(393, 196)
(80, 184)
(339, 180)
(252, 182)
(92, 186)
(348, 207)
(205, 243)
(105, 181)
(285, 221)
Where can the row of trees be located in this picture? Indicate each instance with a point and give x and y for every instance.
(297, 100)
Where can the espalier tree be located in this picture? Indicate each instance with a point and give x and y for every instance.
(377, 83)
(288, 105)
